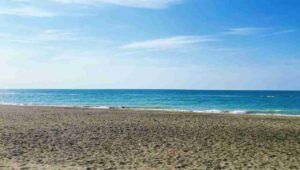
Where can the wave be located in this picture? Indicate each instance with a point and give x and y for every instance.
(270, 96)
(207, 111)
(216, 111)
(221, 111)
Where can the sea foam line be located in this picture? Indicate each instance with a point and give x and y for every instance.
(210, 111)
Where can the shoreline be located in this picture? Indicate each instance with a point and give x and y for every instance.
(79, 138)
(212, 111)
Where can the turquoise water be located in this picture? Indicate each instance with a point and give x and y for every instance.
(235, 102)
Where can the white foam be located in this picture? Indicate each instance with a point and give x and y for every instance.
(270, 96)
(95, 107)
(160, 109)
(283, 115)
(12, 104)
(238, 112)
(209, 111)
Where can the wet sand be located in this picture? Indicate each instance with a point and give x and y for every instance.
(74, 138)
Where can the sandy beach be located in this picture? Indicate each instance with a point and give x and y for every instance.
(79, 138)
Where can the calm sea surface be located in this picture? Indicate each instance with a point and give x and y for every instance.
(234, 102)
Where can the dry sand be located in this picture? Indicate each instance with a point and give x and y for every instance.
(73, 138)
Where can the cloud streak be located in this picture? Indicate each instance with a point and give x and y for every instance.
(149, 4)
(50, 35)
(33, 8)
(245, 31)
(166, 43)
(281, 32)
(262, 32)
(26, 11)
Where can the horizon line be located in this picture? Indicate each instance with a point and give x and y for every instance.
(148, 89)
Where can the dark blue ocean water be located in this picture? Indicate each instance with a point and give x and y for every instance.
(235, 102)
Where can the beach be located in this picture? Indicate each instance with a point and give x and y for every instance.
(33, 137)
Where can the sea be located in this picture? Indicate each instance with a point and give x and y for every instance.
(199, 101)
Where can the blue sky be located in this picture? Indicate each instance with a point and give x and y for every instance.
(165, 44)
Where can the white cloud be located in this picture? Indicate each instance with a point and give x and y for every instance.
(262, 32)
(54, 35)
(43, 36)
(5, 35)
(279, 32)
(150, 4)
(33, 8)
(26, 11)
(166, 43)
(245, 31)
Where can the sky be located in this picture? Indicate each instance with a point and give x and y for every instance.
(150, 44)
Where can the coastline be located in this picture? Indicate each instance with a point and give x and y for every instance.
(79, 138)
(212, 111)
